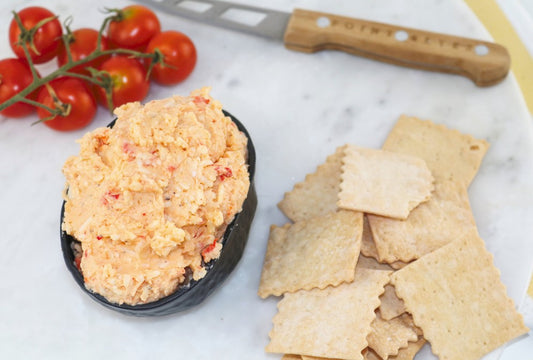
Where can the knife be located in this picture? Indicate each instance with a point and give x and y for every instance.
(485, 63)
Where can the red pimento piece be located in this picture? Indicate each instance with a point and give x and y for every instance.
(129, 150)
(77, 262)
(223, 172)
(200, 100)
(209, 248)
(111, 194)
(102, 140)
(99, 237)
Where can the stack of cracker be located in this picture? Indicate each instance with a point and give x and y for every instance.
(383, 254)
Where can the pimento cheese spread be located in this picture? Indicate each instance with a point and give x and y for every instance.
(149, 199)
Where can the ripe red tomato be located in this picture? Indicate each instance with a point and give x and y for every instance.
(69, 91)
(15, 76)
(179, 52)
(133, 28)
(83, 44)
(129, 81)
(46, 39)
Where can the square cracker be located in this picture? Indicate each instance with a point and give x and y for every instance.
(391, 306)
(383, 182)
(389, 336)
(317, 194)
(449, 154)
(317, 252)
(456, 297)
(407, 353)
(410, 351)
(442, 219)
(368, 247)
(332, 322)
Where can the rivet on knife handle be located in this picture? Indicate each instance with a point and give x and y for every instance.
(485, 63)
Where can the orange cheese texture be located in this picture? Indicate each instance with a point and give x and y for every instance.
(149, 199)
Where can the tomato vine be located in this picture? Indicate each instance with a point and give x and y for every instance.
(96, 78)
(112, 64)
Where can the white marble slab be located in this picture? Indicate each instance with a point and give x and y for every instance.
(298, 108)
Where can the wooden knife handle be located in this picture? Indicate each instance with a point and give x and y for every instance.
(484, 62)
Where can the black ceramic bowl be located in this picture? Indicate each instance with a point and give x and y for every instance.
(195, 292)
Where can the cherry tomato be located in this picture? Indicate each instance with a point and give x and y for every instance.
(179, 52)
(69, 91)
(15, 76)
(133, 28)
(46, 39)
(128, 78)
(83, 43)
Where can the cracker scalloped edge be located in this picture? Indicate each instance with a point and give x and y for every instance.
(285, 205)
(520, 330)
(373, 300)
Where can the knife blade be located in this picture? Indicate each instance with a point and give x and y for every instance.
(485, 63)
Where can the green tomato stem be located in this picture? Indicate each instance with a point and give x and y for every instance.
(36, 103)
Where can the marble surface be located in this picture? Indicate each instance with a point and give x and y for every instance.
(298, 108)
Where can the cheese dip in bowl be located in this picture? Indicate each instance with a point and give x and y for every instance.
(158, 206)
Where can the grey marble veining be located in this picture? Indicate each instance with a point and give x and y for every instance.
(298, 108)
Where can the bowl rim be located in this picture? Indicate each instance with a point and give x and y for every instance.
(68, 256)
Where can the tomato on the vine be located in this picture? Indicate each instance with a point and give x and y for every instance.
(84, 42)
(46, 39)
(133, 27)
(69, 91)
(129, 82)
(179, 54)
(15, 76)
